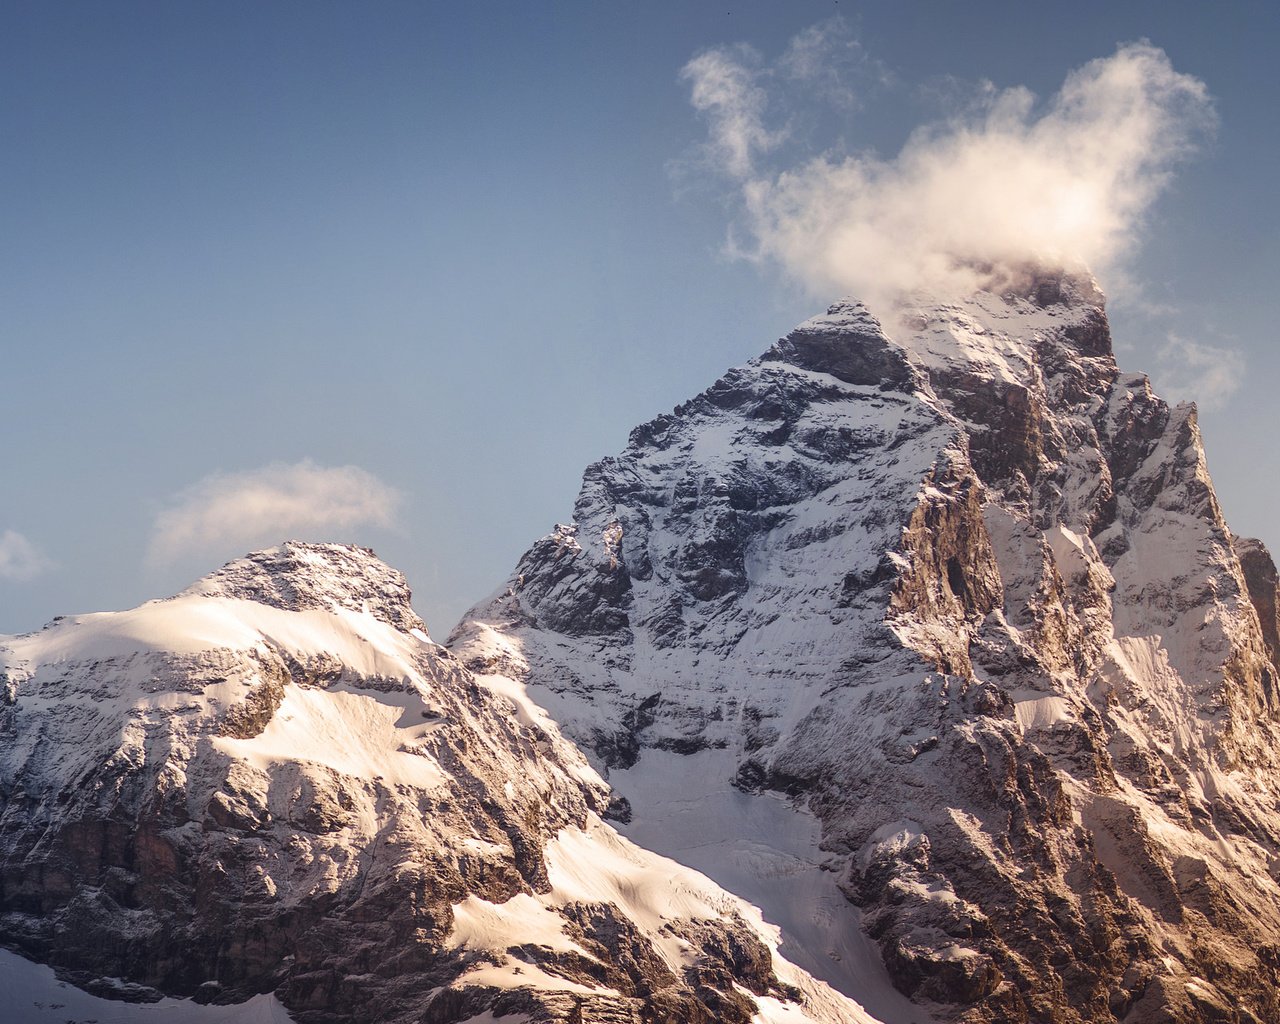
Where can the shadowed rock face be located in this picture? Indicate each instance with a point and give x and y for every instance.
(856, 352)
(962, 589)
(1263, 584)
(275, 782)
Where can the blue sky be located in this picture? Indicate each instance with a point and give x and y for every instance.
(465, 248)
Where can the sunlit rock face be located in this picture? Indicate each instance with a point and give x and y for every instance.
(949, 582)
(276, 782)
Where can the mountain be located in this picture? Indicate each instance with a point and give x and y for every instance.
(276, 782)
(908, 674)
(927, 635)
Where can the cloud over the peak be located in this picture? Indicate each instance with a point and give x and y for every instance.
(225, 513)
(725, 87)
(1008, 181)
(20, 560)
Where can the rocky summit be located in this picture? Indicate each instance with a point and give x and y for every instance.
(908, 674)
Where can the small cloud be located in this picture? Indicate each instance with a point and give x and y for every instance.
(20, 560)
(725, 88)
(1199, 372)
(226, 513)
(826, 58)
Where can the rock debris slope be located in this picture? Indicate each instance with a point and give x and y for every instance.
(276, 782)
(959, 590)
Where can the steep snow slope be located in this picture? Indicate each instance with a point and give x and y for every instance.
(961, 590)
(277, 782)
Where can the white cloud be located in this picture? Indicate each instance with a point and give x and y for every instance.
(226, 513)
(1004, 183)
(1198, 372)
(20, 560)
(826, 58)
(725, 88)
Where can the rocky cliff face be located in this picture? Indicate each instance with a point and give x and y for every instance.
(960, 590)
(276, 782)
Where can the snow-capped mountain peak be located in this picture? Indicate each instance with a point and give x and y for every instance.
(920, 642)
(959, 590)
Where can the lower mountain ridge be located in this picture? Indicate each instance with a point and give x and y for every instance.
(909, 674)
(276, 782)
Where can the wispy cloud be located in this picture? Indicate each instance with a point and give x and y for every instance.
(738, 94)
(20, 560)
(725, 87)
(1196, 371)
(225, 513)
(1002, 182)
(830, 61)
